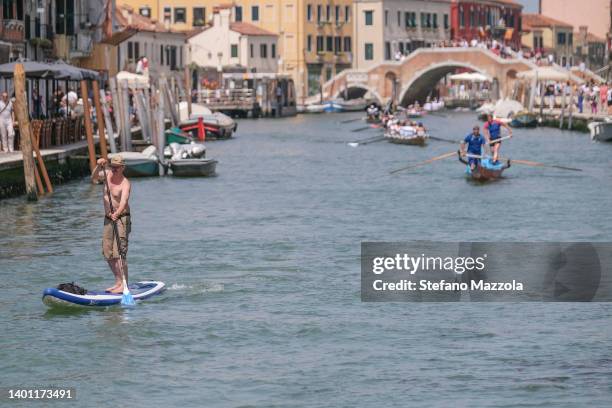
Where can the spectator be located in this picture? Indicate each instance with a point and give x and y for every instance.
(7, 132)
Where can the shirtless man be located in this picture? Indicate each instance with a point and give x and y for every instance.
(120, 192)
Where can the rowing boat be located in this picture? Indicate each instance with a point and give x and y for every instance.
(486, 169)
(414, 140)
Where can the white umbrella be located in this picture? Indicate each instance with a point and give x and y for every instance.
(133, 80)
(549, 74)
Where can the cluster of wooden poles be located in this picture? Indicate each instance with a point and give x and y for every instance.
(152, 104)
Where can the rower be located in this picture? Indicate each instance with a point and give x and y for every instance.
(474, 142)
(493, 132)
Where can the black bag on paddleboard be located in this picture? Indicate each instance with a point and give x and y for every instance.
(72, 288)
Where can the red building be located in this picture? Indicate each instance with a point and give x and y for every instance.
(486, 20)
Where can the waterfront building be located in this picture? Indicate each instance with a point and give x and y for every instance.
(595, 14)
(590, 49)
(314, 36)
(487, 20)
(225, 42)
(138, 37)
(12, 30)
(386, 30)
(549, 36)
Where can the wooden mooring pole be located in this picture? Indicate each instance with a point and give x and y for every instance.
(91, 148)
(25, 132)
(101, 119)
(188, 90)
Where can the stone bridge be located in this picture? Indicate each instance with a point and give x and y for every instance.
(415, 77)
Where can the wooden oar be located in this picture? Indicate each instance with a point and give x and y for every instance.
(361, 129)
(528, 163)
(443, 156)
(538, 164)
(350, 120)
(377, 139)
(441, 139)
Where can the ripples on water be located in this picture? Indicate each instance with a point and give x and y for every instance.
(262, 267)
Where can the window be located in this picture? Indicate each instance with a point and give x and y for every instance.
(263, 51)
(560, 38)
(130, 46)
(309, 42)
(319, 43)
(309, 12)
(435, 21)
(329, 41)
(145, 11)
(461, 18)
(369, 51)
(410, 19)
(238, 14)
(167, 14)
(347, 44)
(423, 20)
(251, 50)
(161, 54)
(337, 13)
(570, 39)
(199, 16)
(180, 15)
(136, 50)
(368, 17)
(387, 50)
(446, 24)
(255, 13)
(337, 45)
(347, 13)
(319, 12)
(386, 18)
(399, 18)
(234, 50)
(328, 13)
(273, 51)
(401, 48)
(535, 43)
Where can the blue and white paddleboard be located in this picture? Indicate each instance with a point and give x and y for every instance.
(53, 297)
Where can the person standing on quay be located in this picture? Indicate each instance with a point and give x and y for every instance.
(7, 132)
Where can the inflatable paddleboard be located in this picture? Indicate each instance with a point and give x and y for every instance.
(140, 290)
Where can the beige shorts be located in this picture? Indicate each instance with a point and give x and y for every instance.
(109, 243)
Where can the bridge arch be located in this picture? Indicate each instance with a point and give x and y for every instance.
(421, 84)
(354, 91)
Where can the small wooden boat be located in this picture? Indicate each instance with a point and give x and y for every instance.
(524, 120)
(486, 170)
(210, 127)
(193, 167)
(413, 140)
(601, 131)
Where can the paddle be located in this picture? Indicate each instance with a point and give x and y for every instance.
(529, 163)
(350, 120)
(443, 156)
(126, 299)
(441, 139)
(363, 141)
(538, 164)
(378, 139)
(361, 129)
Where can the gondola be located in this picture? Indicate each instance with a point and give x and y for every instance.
(486, 170)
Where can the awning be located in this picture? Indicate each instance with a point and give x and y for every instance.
(508, 34)
(470, 77)
(549, 73)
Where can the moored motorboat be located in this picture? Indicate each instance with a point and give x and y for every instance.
(486, 170)
(193, 167)
(216, 126)
(601, 131)
(524, 120)
(140, 164)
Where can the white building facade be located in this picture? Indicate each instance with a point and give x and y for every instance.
(228, 43)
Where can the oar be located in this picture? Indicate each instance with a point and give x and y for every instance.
(538, 164)
(350, 120)
(441, 139)
(443, 156)
(361, 129)
(367, 139)
(126, 299)
(378, 139)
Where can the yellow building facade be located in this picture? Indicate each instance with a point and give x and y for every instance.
(315, 36)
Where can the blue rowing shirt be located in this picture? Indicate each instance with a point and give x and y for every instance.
(494, 127)
(474, 143)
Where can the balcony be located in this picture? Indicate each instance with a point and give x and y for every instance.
(12, 31)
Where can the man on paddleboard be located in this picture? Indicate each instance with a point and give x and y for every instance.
(119, 187)
(474, 142)
(493, 132)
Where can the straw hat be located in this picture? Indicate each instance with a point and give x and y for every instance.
(117, 161)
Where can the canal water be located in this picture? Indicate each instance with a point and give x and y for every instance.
(262, 265)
